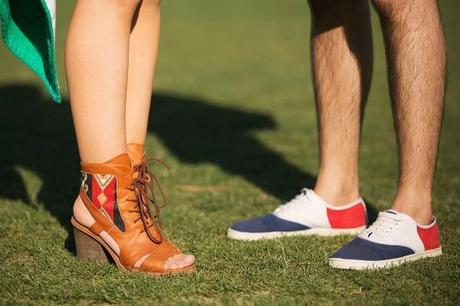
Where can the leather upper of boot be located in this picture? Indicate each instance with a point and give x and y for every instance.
(114, 196)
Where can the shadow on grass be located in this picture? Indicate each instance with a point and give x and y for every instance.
(37, 137)
(196, 132)
(200, 132)
(38, 140)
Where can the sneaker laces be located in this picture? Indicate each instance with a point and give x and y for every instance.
(385, 224)
(297, 200)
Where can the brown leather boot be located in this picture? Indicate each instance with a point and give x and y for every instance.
(113, 214)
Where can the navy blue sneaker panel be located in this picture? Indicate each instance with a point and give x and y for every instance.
(362, 249)
(267, 223)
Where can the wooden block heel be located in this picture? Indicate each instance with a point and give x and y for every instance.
(88, 248)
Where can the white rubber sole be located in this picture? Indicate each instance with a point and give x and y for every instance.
(237, 235)
(351, 264)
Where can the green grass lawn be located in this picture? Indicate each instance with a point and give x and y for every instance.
(232, 112)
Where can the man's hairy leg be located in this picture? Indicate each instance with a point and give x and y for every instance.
(341, 45)
(416, 57)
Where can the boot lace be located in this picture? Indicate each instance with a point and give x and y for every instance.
(144, 185)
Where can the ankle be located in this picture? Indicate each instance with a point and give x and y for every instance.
(337, 195)
(81, 213)
(415, 205)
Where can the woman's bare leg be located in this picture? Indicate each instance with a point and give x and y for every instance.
(97, 64)
(97, 70)
(143, 49)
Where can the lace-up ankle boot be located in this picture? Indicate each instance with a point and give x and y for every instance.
(112, 216)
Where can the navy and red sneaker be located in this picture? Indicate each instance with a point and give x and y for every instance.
(306, 214)
(394, 238)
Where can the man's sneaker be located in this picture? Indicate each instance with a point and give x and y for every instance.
(306, 214)
(394, 238)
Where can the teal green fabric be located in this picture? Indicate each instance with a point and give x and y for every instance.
(27, 30)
